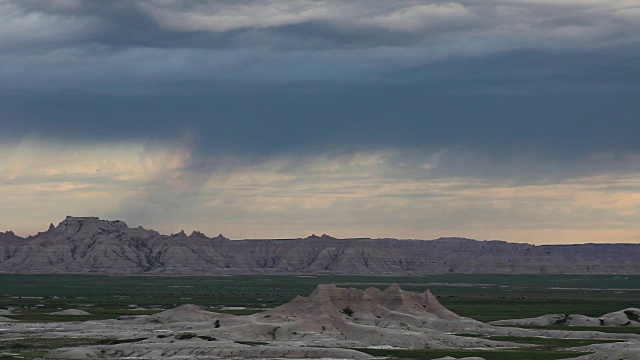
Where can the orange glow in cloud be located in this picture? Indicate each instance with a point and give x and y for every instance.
(347, 196)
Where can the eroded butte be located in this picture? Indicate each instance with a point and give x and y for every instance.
(330, 323)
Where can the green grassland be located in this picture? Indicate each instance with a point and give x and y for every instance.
(429, 354)
(483, 297)
(546, 349)
(36, 347)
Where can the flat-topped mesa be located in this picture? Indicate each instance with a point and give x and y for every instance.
(91, 220)
(81, 218)
(321, 237)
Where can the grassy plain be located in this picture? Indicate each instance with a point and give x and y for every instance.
(546, 349)
(483, 297)
(428, 354)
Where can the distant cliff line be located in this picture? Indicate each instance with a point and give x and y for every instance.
(88, 245)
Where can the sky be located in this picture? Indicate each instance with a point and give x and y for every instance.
(516, 120)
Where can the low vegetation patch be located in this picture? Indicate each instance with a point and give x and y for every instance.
(563, 320)
(551, 343)
(429, 354)
(605, 329)
(483, 297)
(185, 336)
(119, 341)
(207, 338)
(36, 347)
(252, 343)
(347, 311)
(632, 315)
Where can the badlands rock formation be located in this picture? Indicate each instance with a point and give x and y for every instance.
(628, 350)
(626, 317)
(327, 324)
(91, 245)
(331, 323)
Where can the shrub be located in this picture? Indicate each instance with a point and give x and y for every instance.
(185, 336)
(347, 311)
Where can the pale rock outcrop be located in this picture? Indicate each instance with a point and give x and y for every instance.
(185, 313)
(321, 325)
(326, 324)
(78, 353)
(70, 312)
(626, 317)
(203, 349)
(614, 351)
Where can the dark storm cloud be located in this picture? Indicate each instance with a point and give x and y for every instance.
(565, 129)
(447, 28)
(510, 82)
(129, 47)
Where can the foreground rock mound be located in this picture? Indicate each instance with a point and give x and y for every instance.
(329, 300)
(185, 314)
(200, 349)
(628, 350)
(333, 316)
(356, 318)
(70, 312)
(331, 322)
(91, 245)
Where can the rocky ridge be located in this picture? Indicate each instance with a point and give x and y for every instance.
(91, 245)
(331, 322)
(625, 317)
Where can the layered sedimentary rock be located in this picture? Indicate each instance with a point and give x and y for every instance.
(326, 324)
(91, 245)
(331, 322)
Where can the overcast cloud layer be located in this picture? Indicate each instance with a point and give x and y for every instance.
(514, 119)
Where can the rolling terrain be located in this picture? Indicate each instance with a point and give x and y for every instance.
(85, 245)
(332, 322)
